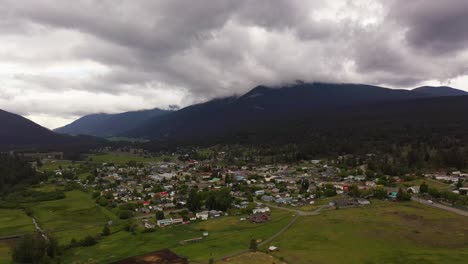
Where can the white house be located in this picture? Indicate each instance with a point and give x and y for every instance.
(202, 215)
(261, 210)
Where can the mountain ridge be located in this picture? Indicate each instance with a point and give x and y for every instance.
(108, 125)
(19, 132)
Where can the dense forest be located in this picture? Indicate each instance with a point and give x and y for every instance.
(15, 173)
(425, 133)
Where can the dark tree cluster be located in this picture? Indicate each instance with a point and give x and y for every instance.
(16, 173)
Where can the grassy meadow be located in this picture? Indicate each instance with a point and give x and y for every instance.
(5, 253)
(120, 158)
(14, 221)
(383, 233)
(431, 183)
(254, 258)
(77, 215)
(226, 235)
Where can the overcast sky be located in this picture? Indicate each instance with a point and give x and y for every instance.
(63, 59)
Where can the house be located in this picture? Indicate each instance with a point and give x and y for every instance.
(214, 213)
(240, 178)
(259, 192)
(259, 218)
(148, 225)
(261, 210)
(361, 201)
(164, 222)
(177, 221)
(393, 195)
(267, 198)
(342, 203)
(413, 189)
(272, 248)
(285, 200)
(214, 180)
(202, 215)
(192, 217)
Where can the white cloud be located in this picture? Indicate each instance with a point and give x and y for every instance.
(61, 59)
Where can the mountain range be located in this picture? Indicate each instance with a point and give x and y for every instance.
(109, 125)
(263, 115)
(272, 105)
(261, 103)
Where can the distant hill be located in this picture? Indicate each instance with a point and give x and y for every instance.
(263, 104)
(19, 132)
(320, 119)
(109, 125)
(439, 91)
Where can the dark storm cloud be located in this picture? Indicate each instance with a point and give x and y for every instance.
(437, 26)
(120, 55)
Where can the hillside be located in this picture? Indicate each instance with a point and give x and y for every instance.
(108, 125)
(320, 119)
(264, 104)
(439, 91)
(19, 132)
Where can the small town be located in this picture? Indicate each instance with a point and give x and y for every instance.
(233, 132)
(181, 190)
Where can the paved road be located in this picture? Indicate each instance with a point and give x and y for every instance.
(440, 206)
(435, 205)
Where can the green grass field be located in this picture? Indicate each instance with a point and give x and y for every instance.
(383, 233)
(124, 158)
(431, 183)
(226, 235)
(14, 221)
(5, 253)
(52, 166)
(254, 258)
(77, 209)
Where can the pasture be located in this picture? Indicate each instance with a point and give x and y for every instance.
(121, 158)
(75, 216)
(14, 221)
(254, 258)
(385, 232)
(226, 235)
(5, 253)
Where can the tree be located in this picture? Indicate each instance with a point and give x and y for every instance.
(125, 214)
(459, 184)
(434, 192)
(88, 241)
(194, 200)
(380, 193)
(354, 191)
(423, 188)
(402, 195)
(253, 245)
(30, 248)
(105, 230)
(52, 246)
(304, 185)
(159, 215)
